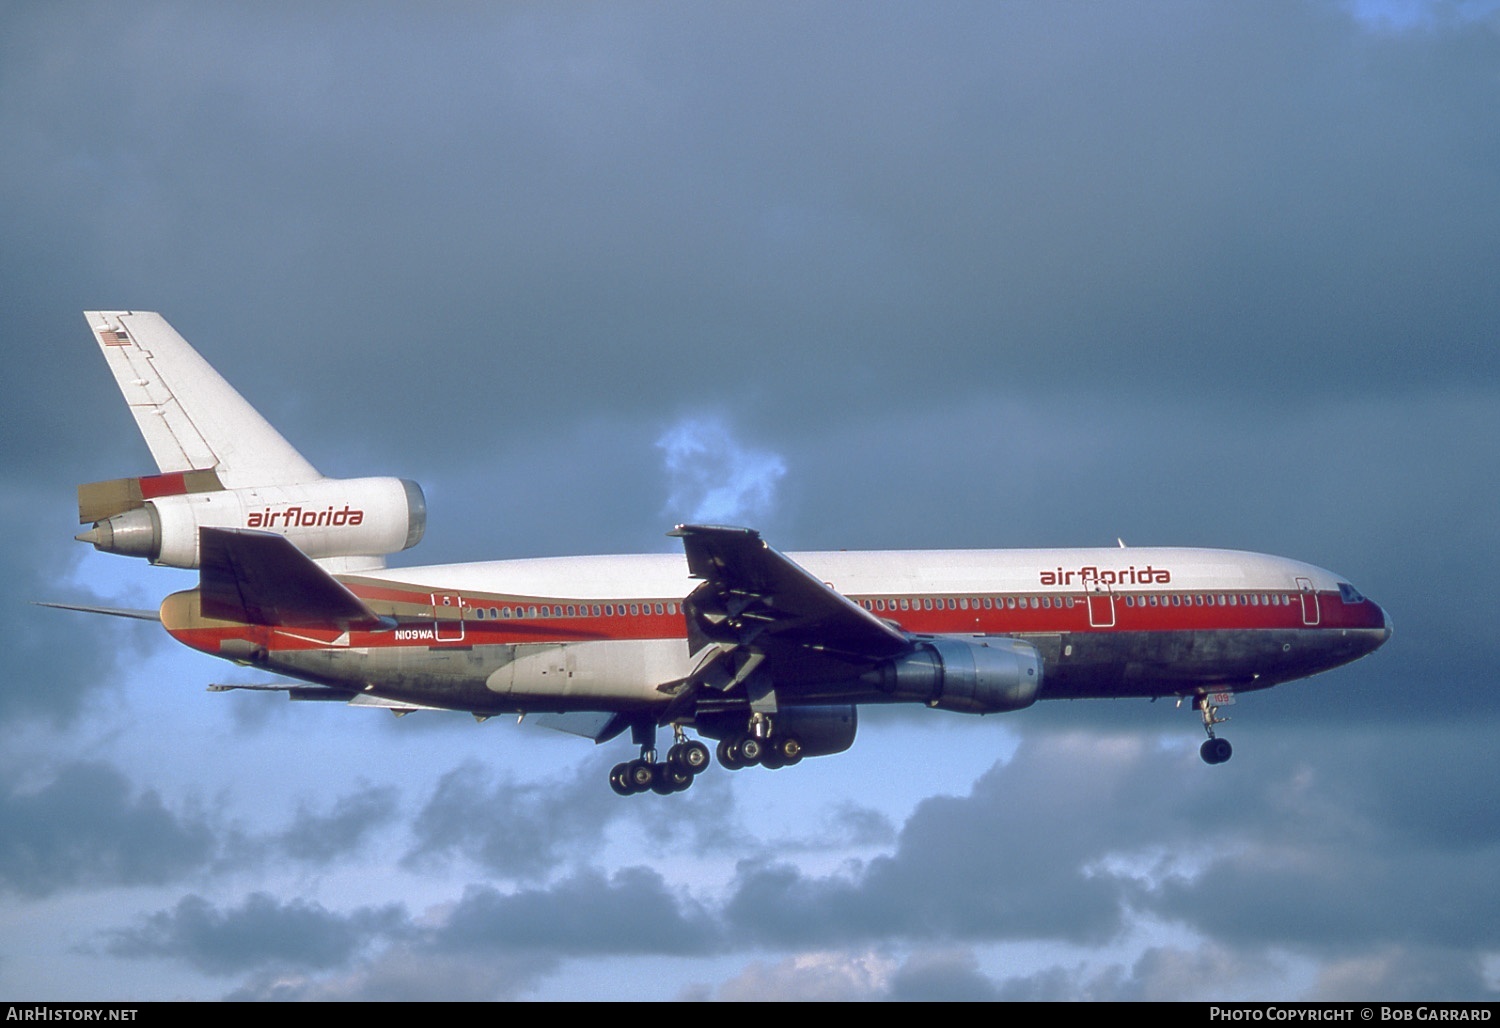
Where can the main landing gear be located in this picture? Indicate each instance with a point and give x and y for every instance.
(757, 745)
(685, 761)
(1215, 750)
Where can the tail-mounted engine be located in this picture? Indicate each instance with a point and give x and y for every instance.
(158, 517)
(972, 676)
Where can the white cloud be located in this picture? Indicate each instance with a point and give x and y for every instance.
(1397, 16)
(713, 478)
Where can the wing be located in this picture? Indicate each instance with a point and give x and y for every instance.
(762, 621)
(191, 418)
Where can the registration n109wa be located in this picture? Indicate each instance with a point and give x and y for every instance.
(767, 655)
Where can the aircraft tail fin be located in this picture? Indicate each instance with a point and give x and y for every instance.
(191, 418)
(222, 465)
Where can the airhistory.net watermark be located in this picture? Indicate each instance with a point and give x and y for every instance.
(49, 1012)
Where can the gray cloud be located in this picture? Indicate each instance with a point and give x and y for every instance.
(405, 974)
(1409, 974)
(633, 910)
(529, 829)
(1311, 854)
(1194, 204)
(60, 664)
(945, 976)
(348, 824)
(261, 931)
(85, 828)
(821, 977)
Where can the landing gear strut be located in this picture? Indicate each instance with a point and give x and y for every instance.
(685, 761)
(1215, 750)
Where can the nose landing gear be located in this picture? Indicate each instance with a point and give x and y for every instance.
(1215, 750)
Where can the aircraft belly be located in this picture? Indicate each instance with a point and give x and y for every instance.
(613, 670)
(442, 676)
(1112, 664)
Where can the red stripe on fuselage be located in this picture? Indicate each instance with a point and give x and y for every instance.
(1133, 612)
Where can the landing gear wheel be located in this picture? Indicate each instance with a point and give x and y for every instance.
(751, 750)
(693, 757)
(669, 779)
(729, 758)
(618, 781)
(1215, 751)
(640, 775)
(789, 748)
(675, 777)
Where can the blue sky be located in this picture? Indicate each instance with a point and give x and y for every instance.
(897, 276)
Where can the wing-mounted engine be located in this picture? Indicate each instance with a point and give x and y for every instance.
(968, 675)
(158, 517)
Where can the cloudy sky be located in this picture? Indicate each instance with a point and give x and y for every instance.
(864, 276)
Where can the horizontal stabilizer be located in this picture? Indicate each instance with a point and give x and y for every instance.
(260, 578)
(119, 612)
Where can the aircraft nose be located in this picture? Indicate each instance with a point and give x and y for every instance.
(1390, 629)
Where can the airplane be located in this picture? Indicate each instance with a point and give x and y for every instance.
(769, 655)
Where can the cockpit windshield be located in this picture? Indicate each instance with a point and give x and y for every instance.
(1349, 594)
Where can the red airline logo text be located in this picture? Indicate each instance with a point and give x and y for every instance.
(299, 517)
(1132, 575)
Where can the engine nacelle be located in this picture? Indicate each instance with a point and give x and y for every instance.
(822, 730)
(331, 517)
(968, 675)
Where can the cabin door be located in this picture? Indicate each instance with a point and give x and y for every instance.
(1309, 594)
(447, 617)
(1101, 604)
